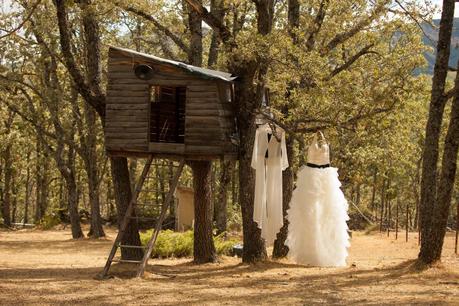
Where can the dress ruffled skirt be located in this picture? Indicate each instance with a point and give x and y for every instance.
(317, 231)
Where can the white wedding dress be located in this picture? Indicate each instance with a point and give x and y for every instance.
(317, 231)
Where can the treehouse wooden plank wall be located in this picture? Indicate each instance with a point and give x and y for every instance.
(168, 108)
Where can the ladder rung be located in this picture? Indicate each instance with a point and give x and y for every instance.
(131, 246)
(127, 261)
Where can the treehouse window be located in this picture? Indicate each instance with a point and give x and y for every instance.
(167, 114)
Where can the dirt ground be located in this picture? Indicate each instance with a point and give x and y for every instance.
(47, 267)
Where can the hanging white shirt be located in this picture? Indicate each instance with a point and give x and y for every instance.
(267, 211)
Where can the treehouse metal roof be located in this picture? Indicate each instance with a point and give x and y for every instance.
(203, 72)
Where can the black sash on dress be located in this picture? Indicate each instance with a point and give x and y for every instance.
(317, 166)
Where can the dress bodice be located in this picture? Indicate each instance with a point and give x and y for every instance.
(318, 154)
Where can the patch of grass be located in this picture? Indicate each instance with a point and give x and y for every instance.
(371, 228)
(49, 221)
(180, 244)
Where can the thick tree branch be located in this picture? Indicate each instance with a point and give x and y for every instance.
(69, 60)
(93, 54)
(224, 33)
(350, 61)
(315, 28)
(359, 26)
(177, 40)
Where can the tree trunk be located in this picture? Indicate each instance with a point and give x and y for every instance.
(73, 206)
(432, 243)
(28, 189)
(6, 207)
(14, 203)
(429, 246)
(280, 249)
(195, 27)
(203, 249)
(91, 166)
(254, 247)
(42, 181)
(389, 217)
(220, 210)
(406, 225)
(357, 195)
(373, 192)
(396, 218)
(383, 195)
(234, 185)
(67, 170)
(132, 171)
(123, 194)
(217, 10)
(457, 227)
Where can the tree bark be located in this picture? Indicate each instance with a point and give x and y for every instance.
(14, 206)
(396, 217)
(73, 207)
(383, 196)
(6, 207)
(203, 247)
(123, 194)
(432, 245)
(457, 228)
(132, 171)
(254, 247)
(195, 27)
(373, 192)
(91, 166)
(429, 220)
(216, 9)
(42, 181)
(407, 222)
(28, 189)
(221, 205)
(280, 249)
(67, 169)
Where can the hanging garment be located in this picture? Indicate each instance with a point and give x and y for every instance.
(269, 159)
(317, 231)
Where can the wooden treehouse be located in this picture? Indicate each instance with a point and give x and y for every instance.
(168, 108)
(159, 108)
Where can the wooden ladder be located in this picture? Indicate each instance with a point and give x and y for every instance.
(129, 215)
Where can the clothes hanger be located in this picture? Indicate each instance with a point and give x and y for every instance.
(320, 139)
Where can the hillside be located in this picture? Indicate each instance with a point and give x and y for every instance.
(431, 41)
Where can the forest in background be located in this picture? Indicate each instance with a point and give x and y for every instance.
(362, 92)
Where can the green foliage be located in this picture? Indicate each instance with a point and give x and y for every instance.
(224, 246)
(49, 221)
(178, 244)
